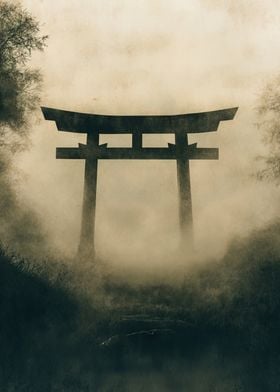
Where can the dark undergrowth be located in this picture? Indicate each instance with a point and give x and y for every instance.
(218, 331)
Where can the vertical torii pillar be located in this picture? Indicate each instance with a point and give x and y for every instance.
(184, 191)
(87, 246)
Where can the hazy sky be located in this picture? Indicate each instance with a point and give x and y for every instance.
(152, 56)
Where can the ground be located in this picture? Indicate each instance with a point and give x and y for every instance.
(218, 330)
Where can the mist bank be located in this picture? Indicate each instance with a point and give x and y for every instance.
(133, 58)
(81, 328)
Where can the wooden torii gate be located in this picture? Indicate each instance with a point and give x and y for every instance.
(94, 125)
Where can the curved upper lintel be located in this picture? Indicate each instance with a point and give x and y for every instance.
(188, 123)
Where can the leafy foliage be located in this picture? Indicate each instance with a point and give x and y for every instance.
(269, 124)
(20, 229)
(19, 85)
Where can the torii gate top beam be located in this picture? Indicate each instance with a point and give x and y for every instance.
(95, 123)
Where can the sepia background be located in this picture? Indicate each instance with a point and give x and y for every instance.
(141, 317)
(154, 57)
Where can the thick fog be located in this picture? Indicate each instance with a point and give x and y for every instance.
(154, 57)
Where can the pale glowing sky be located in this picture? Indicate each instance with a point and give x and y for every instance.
(152, 56)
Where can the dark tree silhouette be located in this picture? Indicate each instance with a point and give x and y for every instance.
(19, 85)
(20, 229)
(269, 125)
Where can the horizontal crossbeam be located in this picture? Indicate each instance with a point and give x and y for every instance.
(97, 123)
(102, 152)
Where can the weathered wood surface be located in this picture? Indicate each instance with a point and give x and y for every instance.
(87, 237)
(101, 152)
(90, 123)
(95, 124)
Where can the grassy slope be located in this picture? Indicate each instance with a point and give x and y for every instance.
(219, 331)
(34, 320)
